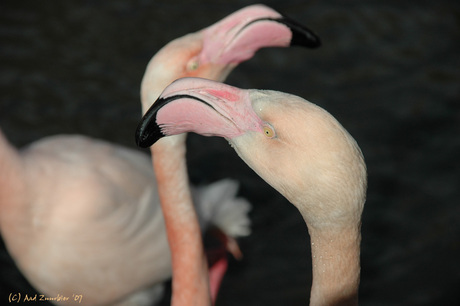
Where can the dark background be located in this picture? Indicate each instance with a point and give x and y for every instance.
(387, 70)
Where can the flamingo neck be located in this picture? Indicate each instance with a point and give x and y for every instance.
(190, 283)
(190, 275)
(336, 265)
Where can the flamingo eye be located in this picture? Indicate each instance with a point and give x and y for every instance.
(193, 64)
(269, 131)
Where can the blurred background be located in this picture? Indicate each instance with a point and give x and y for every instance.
(387, 70)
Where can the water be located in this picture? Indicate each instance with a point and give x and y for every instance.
(389, 72)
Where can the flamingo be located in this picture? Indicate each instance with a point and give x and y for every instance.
(81, 216)
(211, 53)
(295, 146)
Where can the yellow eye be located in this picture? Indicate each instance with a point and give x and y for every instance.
(193, 64)
(269, 131)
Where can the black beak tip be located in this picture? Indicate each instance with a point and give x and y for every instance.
(301, 35)
(148, 132)
(312, 42)
(139, 137)
(145, 138)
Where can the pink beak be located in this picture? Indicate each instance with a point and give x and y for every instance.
(198, 105)
(237, 37)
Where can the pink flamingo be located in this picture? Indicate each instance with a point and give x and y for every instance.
(81, 217)
(210, 53)
(296, 147)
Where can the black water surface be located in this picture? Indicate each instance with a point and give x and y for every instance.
(387, 70)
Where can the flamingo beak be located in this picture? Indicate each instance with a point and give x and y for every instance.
(198, 105)
(237, 37)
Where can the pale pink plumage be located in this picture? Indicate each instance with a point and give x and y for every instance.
(82, 216)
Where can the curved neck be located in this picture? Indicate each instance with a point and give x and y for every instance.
(336, 265)
(190, 275)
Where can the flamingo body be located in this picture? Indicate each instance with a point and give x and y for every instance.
(81, 215)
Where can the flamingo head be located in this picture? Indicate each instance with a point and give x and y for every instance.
(295, 146)
(214, 51)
